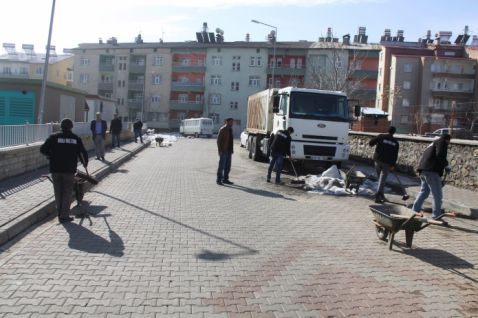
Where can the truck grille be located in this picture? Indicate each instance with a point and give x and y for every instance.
(319, 151)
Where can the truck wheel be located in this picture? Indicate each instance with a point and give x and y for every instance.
(254, 149)
(250, 140)
(196, 135)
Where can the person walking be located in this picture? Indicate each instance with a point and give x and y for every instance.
(137, 126)
(280, 147)
(225, 141)
(115, 129)
(385, 157)
(63, 150)
(431, 167)
(98, 129)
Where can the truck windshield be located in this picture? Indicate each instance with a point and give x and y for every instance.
(318, 106)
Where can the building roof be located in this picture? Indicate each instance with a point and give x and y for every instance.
(35, 58)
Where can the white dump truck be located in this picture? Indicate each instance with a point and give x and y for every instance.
(320, 120)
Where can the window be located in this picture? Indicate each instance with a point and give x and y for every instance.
(185, 61)
(217, 60)
(236, 57)
(233, 105)
(119, 83)
(183, 98)
(215, 99)
(292, 63)
(259, 61)
(254, 81)
(215, 79)
(39, 70)
(299, 63)
(84, 61)
(156, 79)
(158, 60)
(404, 120)
(236, 67)
(24, 70)
(407, 85)
(198, 99)
(407, 68)
(405, 102)
(83, 78)
(279, 62)
(234, 86)
(253, 61)
(155, 98)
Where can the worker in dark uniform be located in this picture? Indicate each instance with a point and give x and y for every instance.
(280, 147)
(385, 157)
(63, 150)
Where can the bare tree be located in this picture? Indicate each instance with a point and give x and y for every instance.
(336, 69)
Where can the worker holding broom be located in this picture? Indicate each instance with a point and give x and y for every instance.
(63, 150)
(385, 157)
(280, 147)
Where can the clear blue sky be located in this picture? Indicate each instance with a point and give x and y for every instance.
(26, 21)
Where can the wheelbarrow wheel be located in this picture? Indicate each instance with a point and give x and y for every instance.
(382, 233)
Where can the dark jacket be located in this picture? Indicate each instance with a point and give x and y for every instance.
(434, 157)
(103, 128)
(225, 140)
(281, 142)
(386, 149)
(63, 149)
(116, 126)
(137, 125)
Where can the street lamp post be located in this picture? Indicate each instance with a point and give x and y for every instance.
(45, 67)
(274, 40)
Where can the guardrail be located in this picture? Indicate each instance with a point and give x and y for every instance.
(13, 135)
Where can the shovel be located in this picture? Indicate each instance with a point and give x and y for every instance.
(405, 195)
(296, 180)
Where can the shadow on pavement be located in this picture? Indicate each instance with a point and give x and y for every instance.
(442, 259)
(263, 193)
(208, 255)
(21, 182)
(248, 251)
(82, 239)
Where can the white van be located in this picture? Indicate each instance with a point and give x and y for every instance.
(196, 127)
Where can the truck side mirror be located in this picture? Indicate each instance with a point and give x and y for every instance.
(275, 104)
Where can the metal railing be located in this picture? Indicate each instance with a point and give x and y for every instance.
(13, 135)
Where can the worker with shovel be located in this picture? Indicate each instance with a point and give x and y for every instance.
(385, 157)
(432, 165)
(63, 149)
(280, 147)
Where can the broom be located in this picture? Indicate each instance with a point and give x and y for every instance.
(296, 180)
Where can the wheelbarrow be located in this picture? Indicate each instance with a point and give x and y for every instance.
(352, 179)
(391, 218)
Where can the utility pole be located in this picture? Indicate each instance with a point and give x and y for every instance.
(45, 67)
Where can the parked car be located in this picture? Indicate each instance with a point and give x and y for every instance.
(244, 137)
(460, 133)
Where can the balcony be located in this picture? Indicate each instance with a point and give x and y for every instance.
(448, 92)
(186, 105)
(285, 69)
(106, 67)
(136, 85)
(137, 68)
(443, 74)
(187, 86)
(105, 86)
(194, 68)
(135, 104)
(364, 74)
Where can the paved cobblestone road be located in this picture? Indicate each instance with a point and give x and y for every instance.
(166, 241)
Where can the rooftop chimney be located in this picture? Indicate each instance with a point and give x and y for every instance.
(361, 37)
(248, 37)
(346, 39)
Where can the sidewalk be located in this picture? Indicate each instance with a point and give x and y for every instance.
(28, 198)
(462, 201)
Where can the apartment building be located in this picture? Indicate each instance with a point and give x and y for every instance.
(168, 82)
(426, 85)
(28, 64)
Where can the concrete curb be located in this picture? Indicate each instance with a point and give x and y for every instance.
(47, 208)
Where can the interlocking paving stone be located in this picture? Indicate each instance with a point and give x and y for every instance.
(166, 241)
